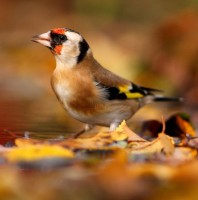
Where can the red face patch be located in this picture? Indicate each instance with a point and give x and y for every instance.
(57, 49)
(58, 30)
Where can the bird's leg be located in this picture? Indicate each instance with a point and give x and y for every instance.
(113, 126)
(87, 127)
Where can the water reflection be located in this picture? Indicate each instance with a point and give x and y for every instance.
(35, 119)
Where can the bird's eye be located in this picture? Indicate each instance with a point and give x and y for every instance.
(63, 38)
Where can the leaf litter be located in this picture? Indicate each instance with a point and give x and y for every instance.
(116, 165)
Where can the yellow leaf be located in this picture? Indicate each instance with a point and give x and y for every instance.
(36, 152)
(120, 127)
(124, 133)
(132, 136)
(118, 136)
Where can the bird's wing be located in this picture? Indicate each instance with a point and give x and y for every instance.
(129, 91)
(117, 87)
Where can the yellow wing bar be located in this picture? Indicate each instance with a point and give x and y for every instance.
(129, 93)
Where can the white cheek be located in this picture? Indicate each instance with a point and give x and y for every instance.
(68, 56)
(71, 48)
(74, 36)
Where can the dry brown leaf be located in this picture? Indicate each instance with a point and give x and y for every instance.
(102, 139)
(163, 142)
(147, 147)
(22, 142)
(185, 126)
(177, 125)
(132, 136)
(167, 143)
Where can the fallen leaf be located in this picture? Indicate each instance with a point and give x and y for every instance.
(167, 143)
(120, 133)
(37, 152)
(98, 141)
(177, 125)
(147, 147)
(163, 142)
(124, 133)
(185, 126)
(22, 142)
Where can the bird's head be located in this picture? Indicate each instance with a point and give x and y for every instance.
(68, 46)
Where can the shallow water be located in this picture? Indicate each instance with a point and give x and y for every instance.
(32, 119)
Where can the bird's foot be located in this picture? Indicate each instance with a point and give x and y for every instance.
(85, 129)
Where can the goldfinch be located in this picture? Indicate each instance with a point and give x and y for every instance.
(89, 92)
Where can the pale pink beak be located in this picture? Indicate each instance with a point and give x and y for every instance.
(43, 39)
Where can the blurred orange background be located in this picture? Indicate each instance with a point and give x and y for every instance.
(154, 43)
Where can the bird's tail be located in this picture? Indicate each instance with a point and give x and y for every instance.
(163, 98)
(160, 98)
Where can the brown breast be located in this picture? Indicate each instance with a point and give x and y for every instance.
(75, 89)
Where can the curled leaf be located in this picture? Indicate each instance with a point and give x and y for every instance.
(124, 132)
(167, 143)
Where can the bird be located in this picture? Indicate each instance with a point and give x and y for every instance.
(89, 92)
